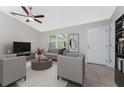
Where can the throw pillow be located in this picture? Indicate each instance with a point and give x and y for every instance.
(61, 51)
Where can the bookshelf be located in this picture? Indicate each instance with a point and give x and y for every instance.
(119, 51)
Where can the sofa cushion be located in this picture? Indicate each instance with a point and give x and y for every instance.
(74, 54)
(53, 51)
(51, 56)
(8, 56)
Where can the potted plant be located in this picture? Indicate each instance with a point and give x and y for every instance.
(39, 52)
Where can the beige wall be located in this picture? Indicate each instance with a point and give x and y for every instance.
(81, 29)
(13, 30)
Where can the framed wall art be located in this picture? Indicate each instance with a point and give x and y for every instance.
(73, 40)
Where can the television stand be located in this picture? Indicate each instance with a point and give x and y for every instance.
(29, 55)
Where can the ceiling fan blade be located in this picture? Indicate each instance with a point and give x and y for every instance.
(26, 11)
(38, 16)
(17, 14)
(37, 20)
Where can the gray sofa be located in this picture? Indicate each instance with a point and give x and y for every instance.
(72, 67)
(12, 68)
(52, 54)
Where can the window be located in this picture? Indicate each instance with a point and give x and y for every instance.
(52, 41)
(62, 41)
(58, 41)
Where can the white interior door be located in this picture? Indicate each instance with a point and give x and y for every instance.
(97, 46)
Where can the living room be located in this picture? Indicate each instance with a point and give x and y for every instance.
(64, 48)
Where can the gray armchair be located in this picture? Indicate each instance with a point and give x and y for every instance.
(72, 67)
(12, 68)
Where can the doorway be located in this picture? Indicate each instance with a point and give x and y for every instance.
(98, 46)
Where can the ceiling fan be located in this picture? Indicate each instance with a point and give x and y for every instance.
(30, 17)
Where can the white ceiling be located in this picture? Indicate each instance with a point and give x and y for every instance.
(62, 16)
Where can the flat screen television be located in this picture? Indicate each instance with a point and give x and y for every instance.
(19, 47)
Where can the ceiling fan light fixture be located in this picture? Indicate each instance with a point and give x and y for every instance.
(30, 18)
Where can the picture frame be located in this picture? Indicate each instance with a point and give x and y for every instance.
(73, 43)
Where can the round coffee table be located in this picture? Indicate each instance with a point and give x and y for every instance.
(41, 65)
